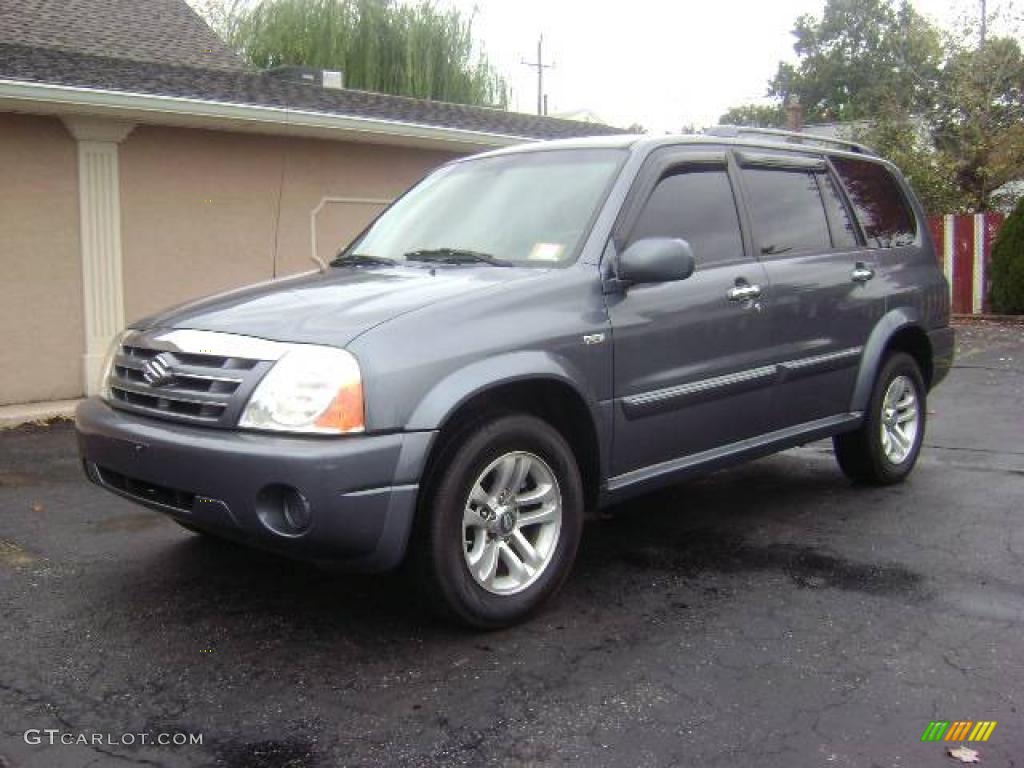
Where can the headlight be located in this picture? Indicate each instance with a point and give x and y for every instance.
(108, 366)
(309, 389)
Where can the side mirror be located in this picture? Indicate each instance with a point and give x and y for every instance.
(656, 260)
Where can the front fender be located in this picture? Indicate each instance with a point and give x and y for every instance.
(888, 326)
(458, 387)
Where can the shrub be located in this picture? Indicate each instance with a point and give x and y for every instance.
(1008, 265)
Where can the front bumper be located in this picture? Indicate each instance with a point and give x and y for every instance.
(361, 491)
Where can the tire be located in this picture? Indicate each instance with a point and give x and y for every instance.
(868, 457)
(469, 516)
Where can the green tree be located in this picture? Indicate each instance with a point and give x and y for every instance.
(977, 117)
(859, 56)
(753, 115)
(948, 110)
(906, 142)
(386, 46)
(1008, 265)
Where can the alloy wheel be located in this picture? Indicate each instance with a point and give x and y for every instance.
(511, 522)
(900, 419)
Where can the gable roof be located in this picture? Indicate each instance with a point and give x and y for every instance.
(25, 64)
(156, 31)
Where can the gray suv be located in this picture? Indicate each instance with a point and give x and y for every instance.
(530, 334)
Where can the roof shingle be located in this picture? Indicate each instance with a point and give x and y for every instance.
(159, 31)
(239, 86)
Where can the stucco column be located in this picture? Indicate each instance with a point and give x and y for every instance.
(99, 205)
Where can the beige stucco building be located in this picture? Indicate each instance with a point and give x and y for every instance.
(143, 165)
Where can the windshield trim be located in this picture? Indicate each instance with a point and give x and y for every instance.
(568, 261)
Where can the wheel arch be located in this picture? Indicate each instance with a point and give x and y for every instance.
(520, 382)
(899, 330)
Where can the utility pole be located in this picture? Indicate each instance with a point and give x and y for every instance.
(540, 67)
(984, 24)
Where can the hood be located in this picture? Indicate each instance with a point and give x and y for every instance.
(335, 306)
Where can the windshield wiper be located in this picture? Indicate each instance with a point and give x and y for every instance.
(455, 256)
(361, 260)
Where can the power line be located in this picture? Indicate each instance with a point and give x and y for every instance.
(540, 66)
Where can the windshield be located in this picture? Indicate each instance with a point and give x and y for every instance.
(528, 208)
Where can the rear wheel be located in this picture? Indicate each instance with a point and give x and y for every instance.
(503, 523)
(885, 448)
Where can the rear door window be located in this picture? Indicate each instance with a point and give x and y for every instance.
(697, 205)
(786, 210)
(878, 202)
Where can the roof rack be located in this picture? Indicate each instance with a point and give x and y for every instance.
(788, 137)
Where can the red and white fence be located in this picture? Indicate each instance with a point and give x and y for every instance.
(964, 246)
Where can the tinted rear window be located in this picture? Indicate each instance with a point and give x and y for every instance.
(878, 202)
(787, 212)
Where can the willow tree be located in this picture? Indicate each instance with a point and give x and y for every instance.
(386, 46)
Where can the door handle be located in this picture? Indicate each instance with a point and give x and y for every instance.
(861, 273)
(744, 292)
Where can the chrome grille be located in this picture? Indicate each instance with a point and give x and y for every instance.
(181, 385)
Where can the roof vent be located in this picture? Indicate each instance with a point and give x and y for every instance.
(332, 79)
(327, 78)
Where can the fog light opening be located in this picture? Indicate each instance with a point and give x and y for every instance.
(283, 510)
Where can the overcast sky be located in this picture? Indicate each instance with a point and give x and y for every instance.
(664, 64)
(661, 63)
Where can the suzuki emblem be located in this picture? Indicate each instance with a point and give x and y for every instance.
(158, 372)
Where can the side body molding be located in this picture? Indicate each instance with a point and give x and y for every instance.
(888, 326)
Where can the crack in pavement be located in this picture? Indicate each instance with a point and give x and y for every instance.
(971, 449)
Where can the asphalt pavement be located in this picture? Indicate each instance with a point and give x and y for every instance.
(769, 615)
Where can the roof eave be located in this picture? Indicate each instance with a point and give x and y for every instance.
(56, 99)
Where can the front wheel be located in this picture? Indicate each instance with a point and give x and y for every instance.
(885, 448)
(503, 523)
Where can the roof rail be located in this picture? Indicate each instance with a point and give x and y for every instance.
(788, 137)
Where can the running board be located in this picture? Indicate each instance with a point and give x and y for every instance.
(669, 472)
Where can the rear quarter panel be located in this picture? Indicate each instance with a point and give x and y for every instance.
(911, 275)
(916, 295)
